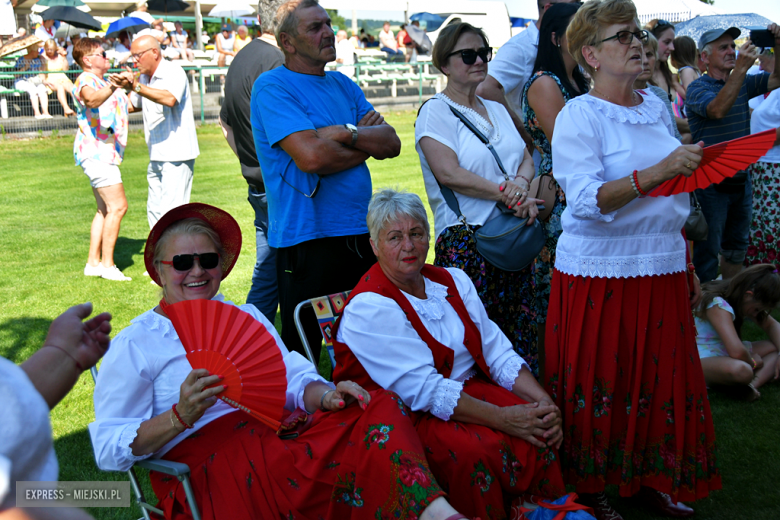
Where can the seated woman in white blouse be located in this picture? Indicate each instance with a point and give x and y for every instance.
(149, 402)
(421, 331)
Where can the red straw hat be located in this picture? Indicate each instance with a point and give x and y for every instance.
(226, 227)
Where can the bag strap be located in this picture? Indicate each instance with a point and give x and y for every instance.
(481, 137)
(447, 193)
(695, 200)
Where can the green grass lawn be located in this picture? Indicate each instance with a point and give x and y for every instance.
(46, 207)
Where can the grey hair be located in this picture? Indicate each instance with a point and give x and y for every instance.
(286, 19)
(707, 48)
(389, 205)
(266, 10)
(187, 226)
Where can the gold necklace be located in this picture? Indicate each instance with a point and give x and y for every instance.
(607, 98)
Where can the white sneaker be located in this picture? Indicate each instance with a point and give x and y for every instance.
(113, 273)
(94, 270)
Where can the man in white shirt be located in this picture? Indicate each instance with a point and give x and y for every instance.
(163, 93)
(512, 68)
(140, 12)
(345, 54)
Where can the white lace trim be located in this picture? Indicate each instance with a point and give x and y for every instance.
(620, 266)
(508, 373)
(305, 380)
(445, 398)
(155, 321)
(468, 374)
(588, 205)
(490, 130)
(126, 438)
(649, 111)
(431, 308)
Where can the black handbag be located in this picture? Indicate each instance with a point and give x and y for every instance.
(505, 240)
(696, 228)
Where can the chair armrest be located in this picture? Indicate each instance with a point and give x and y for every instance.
(164, 466)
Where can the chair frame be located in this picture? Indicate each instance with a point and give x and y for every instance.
(176, 469)
(306, 304)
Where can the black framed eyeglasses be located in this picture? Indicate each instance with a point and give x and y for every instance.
(184, 263)
(626, 37)
(313, 193)
(660, 24)
(469, 56)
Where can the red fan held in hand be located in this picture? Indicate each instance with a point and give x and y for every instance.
(229, 342)
(720, 161)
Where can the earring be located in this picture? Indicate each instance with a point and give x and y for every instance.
(597, 68)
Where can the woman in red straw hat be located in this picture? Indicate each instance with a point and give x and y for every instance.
(349, 461)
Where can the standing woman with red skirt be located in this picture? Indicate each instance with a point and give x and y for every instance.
(622, 363)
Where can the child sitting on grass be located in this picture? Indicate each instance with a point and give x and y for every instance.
(725, 358)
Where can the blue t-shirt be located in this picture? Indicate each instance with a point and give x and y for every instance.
(285, 102)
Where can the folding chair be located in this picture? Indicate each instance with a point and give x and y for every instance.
(175, 469)
(327, 309)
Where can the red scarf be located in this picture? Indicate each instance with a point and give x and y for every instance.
(349, 368)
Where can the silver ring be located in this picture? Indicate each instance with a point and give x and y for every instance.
(517, 194)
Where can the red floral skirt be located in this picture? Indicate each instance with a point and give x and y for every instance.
(350, 464)
(623, 367)
(482, 469)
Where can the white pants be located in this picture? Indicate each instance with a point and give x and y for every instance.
(170, 184)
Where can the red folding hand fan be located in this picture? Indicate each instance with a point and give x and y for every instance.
(720, 162)
(229, 342)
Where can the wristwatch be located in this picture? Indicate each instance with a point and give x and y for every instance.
(353, 129)
(137, 88)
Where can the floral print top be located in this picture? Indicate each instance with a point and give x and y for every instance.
(102, 134)
(707, 339)
(532, 124)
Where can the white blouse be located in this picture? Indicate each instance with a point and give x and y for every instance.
(26, 447)
(595, 142)
(396, 358)
(141, 376)
(767, 117)
(437, 121)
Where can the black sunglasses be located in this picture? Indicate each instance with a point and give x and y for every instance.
(626, 37)
(185, 262)
(469, 56)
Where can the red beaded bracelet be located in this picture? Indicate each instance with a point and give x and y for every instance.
(176, 413)
(636, 183)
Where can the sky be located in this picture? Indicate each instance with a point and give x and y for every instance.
(768, 8)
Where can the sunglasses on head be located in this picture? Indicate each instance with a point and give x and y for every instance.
(469, 56)
(185, 262)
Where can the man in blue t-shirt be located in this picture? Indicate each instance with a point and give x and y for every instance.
(717, 108)
(313, 132)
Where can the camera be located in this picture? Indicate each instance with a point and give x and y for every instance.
(762, 38)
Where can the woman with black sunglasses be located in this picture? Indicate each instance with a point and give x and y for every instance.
(621, 356)
(347, 453)
(453, 156)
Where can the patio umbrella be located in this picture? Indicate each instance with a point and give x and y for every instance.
(231, 9)
(42, 5)
(72, 16)
(426, 17)
(695, 27)
(167, 6)
(18, 44)
(419, 37)
(129, 24)
(67, 30)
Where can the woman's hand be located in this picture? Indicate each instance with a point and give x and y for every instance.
(529, 209)
(195, 398)
(346, 393)
(554, 435)
(682, 161)
(512, 194)
(529, 421)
